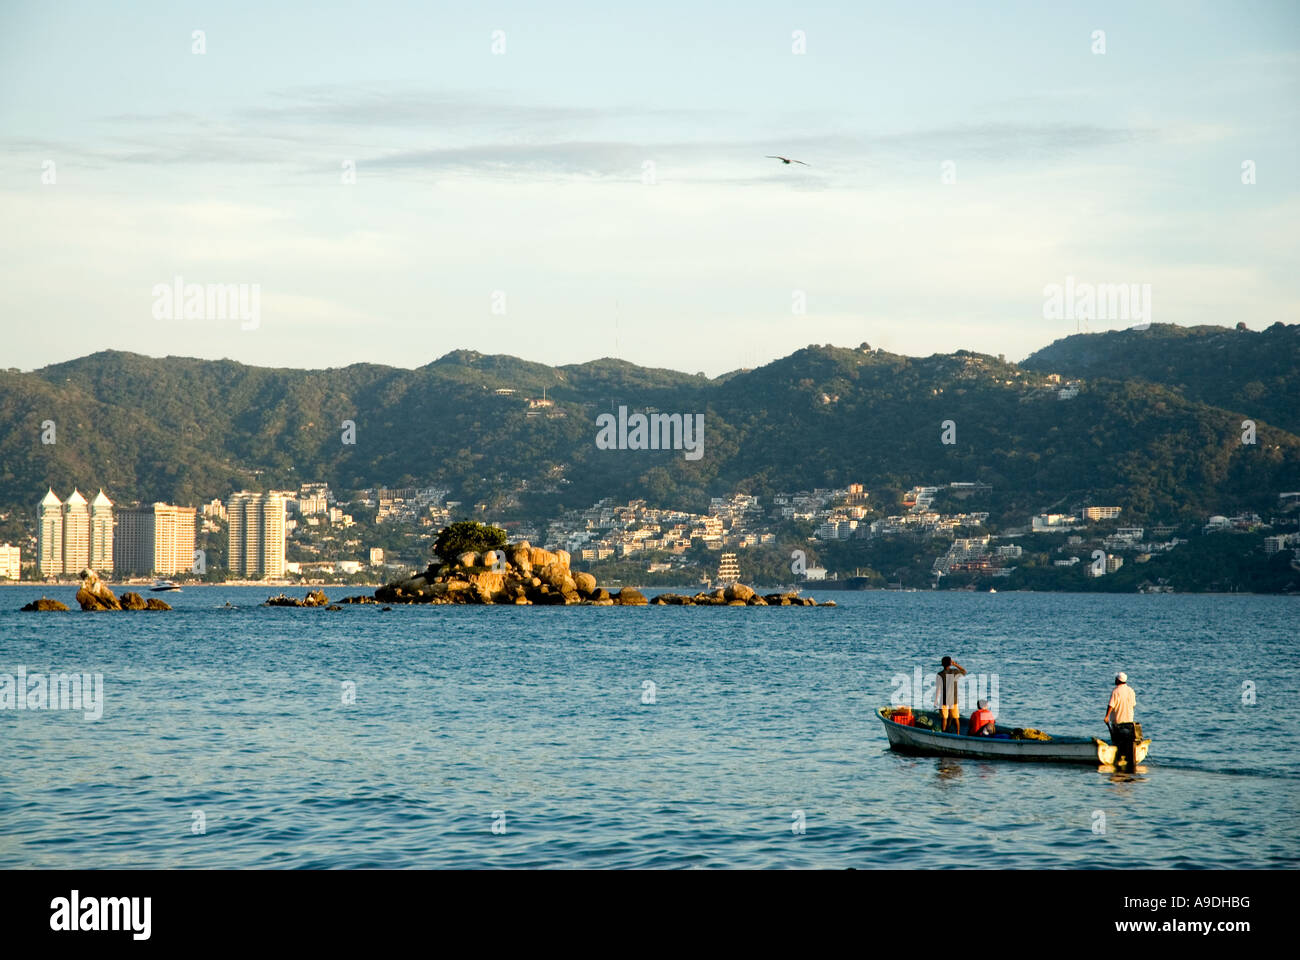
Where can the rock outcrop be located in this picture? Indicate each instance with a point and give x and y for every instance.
(519, 574)
(94, 593)
(45, 603)
(743, 597)
(133, 601)
(314, 598)
(524, 575)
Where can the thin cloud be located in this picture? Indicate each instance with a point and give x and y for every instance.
(457, 134)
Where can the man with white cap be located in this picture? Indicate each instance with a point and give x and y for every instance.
(1122, 733)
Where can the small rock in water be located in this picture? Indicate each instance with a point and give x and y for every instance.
(45, 603)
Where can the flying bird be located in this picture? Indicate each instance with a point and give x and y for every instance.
(787, 160)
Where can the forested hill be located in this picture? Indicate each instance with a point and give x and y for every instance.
(1157, 441)
(1254, 373)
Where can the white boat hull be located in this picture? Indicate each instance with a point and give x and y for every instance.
(913, 739)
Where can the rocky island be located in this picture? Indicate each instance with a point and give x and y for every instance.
(95, 595)
(524, 575)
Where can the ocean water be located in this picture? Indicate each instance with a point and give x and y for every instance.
(518, 737)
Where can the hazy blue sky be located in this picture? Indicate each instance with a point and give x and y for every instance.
(523, 172)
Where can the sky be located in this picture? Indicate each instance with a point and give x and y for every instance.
(587, 180)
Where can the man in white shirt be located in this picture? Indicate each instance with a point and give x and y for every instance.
(1122, 733)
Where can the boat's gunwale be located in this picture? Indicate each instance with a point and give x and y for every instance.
(880, 712)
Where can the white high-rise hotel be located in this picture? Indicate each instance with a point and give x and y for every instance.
(256, 534)
(72, 535)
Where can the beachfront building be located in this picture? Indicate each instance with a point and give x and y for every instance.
(256, 534)
(155, 539)
(76, 533)
(101, 533)
(73, 534)
(49, 535)
(10, 562)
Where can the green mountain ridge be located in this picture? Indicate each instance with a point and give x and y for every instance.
(1252, 372)
(1160, 438)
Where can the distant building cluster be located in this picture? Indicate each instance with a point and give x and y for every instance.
(921, 520)
(1243, 521)
(160, 539)
(423, 506)
(1060, 522)
(606, 531)
(1272, 545)
(73, 534)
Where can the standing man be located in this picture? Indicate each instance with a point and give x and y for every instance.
(1122, 735)
(945, 694)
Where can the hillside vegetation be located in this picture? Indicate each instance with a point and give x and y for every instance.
(1155, 427)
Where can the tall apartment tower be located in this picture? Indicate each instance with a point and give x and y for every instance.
(101, 533)
(256, 534)
(157, 539)
(72, 534)
(49, 535)
(728, 569)
(76, 533)
(176, 548)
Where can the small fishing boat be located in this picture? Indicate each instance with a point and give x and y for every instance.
(917, 738)
(159, 586)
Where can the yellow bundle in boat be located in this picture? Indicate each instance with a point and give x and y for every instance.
(1028, 733)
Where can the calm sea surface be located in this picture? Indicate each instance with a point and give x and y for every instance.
(468, 716)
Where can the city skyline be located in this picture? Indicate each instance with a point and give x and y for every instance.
(674, 541)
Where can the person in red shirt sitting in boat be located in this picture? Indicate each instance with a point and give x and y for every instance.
(981, 721)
